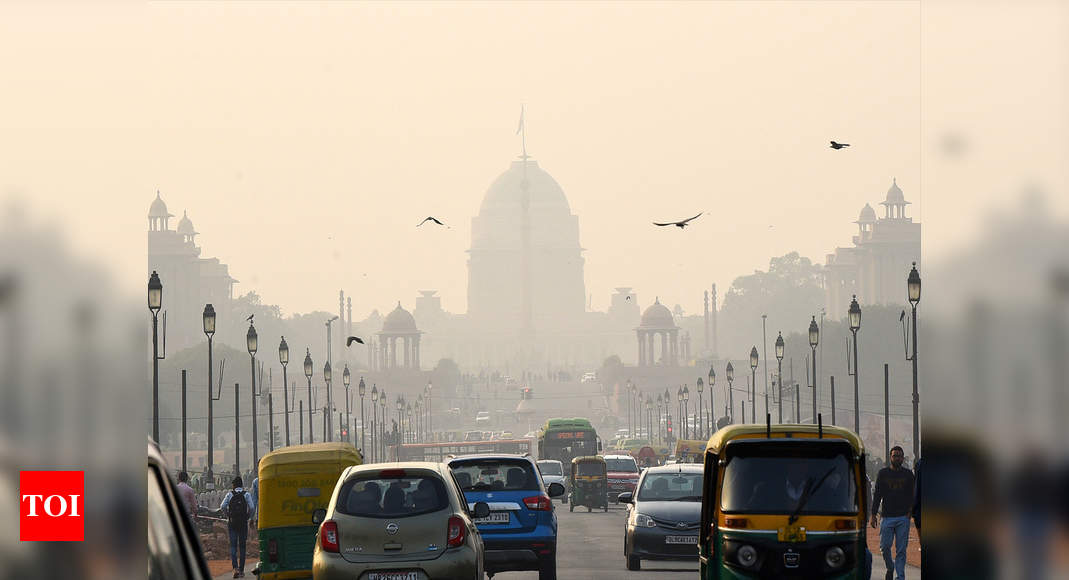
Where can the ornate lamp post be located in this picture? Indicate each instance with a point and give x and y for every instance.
(284, 358)
(814, 339)
(208, 319)
(712, 411)
(328, 374)
(347, 378)
(753, 384)
(686, 412)
(382, 423)
(779, 373)
(660, 411)
(649, 418)
(667, 414)
(400, 420)
(155, 302)
(374, 419)
(730, 373)
(913, 285)
(251, 343)
(679, 411)
(361, 389)
(430, 413)
(627, 390)
(855, 325)
(308, 375)
(700, 427)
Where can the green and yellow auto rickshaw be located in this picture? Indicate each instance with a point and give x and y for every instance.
(295, 481)
(588, 483)
(784, 501)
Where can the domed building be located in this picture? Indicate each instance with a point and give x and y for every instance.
(399, 329)
(657, 321)
(525, 265)
(876, 266)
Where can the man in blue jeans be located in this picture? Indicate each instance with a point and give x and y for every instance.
(238, 506)
(894, 488)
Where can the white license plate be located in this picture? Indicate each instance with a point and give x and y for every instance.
(494, 518)
(411, 575)
(681, 539)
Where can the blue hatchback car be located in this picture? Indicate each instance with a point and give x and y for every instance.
(521, 531)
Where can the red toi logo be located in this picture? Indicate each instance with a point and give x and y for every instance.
(52, 506)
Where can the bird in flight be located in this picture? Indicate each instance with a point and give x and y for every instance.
(835, 145)
(249, 319)
(680, 224)
(430, 219)
(349, 341)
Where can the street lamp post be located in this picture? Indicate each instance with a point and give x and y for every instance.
(679, 411)
(660, 411)
(855, 324)
(361, 388)
(328, 431)
(208, 319)
(284, 358)
(712, 408)
(308, 375)
(400, 420)
(430, 413)
(753, 384)
(779, 373)
(382, 423)
(730, 372)
(346, 379)
(251, 343)
(686, 412)
(913, 285)
(627, 390)
(814, 339)
(155, 302)
(374, 420)
(700, 427)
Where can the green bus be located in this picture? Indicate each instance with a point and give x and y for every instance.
(564, 439)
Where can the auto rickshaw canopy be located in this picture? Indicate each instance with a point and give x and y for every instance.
(781, 431)
(296, 480)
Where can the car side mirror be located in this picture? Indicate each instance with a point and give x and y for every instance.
(625, 497)
(481, 510)
(555, 489)
(318, 516)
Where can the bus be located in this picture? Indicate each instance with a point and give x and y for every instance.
(440, 452)
(564, 439)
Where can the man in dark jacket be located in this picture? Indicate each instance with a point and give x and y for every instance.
(237, 506)
(894, 488)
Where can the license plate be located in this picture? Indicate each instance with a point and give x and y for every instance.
(791, 559)
(792, 533)
(681, 539)
(411, 575)
(494, 518)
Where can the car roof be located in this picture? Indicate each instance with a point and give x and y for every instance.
(469, 456)
(677, 468)
(420, 465)
(617, 456)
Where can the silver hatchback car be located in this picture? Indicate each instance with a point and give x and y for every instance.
(398, 521)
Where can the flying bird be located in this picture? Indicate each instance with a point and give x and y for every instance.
(430, 219)
(835, 145)
(680, 224)
(349, 341)
(249, 319)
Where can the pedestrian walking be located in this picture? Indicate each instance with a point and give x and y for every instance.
(189, 497)
(237, 505)
(894, 488)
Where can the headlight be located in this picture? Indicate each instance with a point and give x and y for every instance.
(835, 557)
(747, 556)
(644, 521)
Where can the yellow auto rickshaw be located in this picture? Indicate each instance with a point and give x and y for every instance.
(784, 501)
(589, 484)
(690, 450)
(294, 482)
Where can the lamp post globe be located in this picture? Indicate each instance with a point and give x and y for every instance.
(855, 314)
(730, 372)
(308, 363)
(779, 347)
(374, 393)
(814, 332)
(251, 341)
(700, 385)
(208, 319)
(283, 352)
(753, 358)
(155, 292)
(328, 374)
(686, 393)
(913, 285)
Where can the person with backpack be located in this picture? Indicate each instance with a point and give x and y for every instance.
(238, 505)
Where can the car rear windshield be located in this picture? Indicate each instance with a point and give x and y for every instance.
(590, 468)
(671, 487)
(549, 468)
(626, 465)
(391, 497)
(495, 474)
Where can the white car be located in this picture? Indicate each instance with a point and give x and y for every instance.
(553, 472)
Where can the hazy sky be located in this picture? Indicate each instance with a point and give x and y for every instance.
(306, 141)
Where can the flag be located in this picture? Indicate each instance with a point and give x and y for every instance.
(519, 129)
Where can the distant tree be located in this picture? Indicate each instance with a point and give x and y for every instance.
(446, 375)
(611, 371)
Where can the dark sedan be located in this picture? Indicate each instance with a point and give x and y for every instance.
(663, 518)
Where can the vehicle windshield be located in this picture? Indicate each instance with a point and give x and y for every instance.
(621, 464)
(391, 497)
(588, 468)
(495, 475)
(778, 484)
(549, 468)
(671, 487)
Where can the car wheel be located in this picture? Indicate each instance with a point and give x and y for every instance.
(634, 563)
(548, 569)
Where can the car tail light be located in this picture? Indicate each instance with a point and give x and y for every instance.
(845, 524)
(392, 473)
(538, 503)
(328, 536)
(272, 550)
(455, 532)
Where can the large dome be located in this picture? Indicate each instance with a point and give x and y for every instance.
(894, 195)
(506, 191)
(185, 225)
(658, 316)
(867, 216)
(399, 321)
